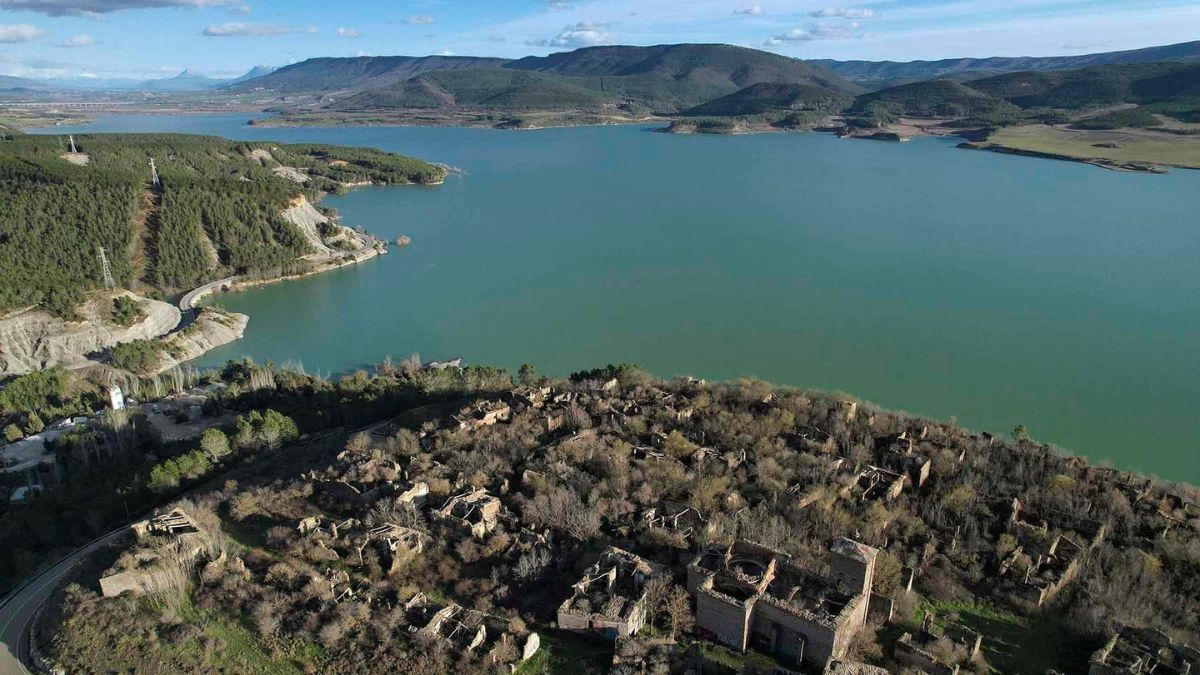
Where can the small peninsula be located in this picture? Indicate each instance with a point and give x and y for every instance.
(100, 232)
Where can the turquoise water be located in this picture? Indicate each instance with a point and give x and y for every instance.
(996, 289)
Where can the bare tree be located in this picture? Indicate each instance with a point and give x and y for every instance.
(657, 590)
(678, 607)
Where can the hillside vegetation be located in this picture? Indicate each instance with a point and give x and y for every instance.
(217, 210)
(663, 79)
(984, 520)
(483, 89)
(869, 73)
(771, 97)
(746, 86)
(937, 98)
(356, 73)
(1094, 87)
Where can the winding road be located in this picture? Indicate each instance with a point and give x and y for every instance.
(19, 610)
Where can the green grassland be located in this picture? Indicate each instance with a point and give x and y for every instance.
(1132, 147)
(1011, 643)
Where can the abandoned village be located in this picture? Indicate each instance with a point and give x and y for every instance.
(672, 527)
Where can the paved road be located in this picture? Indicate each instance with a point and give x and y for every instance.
(19, 609)
(189, 299)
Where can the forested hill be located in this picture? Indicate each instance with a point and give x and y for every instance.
(768, 97)
(217, 210)
(1161, 83)
(886, 72)
(937, 98)
(663, 79)
(1170, 90)
(358, 73)
(712, 66)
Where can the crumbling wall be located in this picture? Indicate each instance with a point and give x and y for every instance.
(821, 642)
(721, 616)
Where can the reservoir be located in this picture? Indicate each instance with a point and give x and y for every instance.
(995, 289)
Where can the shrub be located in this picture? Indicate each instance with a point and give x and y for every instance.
(215, 444)
(127, 311)
(140, 356)
(13, 433)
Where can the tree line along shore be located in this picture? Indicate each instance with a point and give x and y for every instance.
(75, 209)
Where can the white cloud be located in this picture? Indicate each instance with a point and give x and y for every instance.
(348, 33)
(19, 32)
(582, 34)
(752, 10)
(75, 7)
(239, 29)
(818, 31)
(420, 20)
(78, 41)
(447, 52)
(843, 13)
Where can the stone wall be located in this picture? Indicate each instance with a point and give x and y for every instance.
(792, 632)
(720, 615)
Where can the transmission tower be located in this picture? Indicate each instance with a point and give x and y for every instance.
(106, 270)
(154, 174)
(73, 150)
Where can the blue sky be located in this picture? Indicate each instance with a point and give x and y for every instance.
(222, 38)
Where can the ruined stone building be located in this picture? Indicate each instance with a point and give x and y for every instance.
(1144, 651)
(610, 599)
(168, 545)
(750, 595)
(1049, 555)
(901, 456)
(483, 414)
(1028, 526)
(876, 483)
(955, 646)
(472, 631)
(673, 517)
(472, 513)
(1036, 577)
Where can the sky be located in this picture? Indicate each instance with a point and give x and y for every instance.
(146, 39)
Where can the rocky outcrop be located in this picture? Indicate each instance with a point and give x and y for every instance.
(290, 173)
(211, 329)
(34, 339)
(305, 216)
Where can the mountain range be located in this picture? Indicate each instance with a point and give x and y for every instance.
(665, 78)
(187, 80)
(877, 74)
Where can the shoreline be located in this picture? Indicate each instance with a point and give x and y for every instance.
(1111, 165)
(906, 130)
(371, 247)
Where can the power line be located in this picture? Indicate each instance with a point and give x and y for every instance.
(106, 270)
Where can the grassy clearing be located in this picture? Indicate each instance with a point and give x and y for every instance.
(1133, 146)
(1012, 643)
(739, 662)
(565, 652)
(240, 650)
